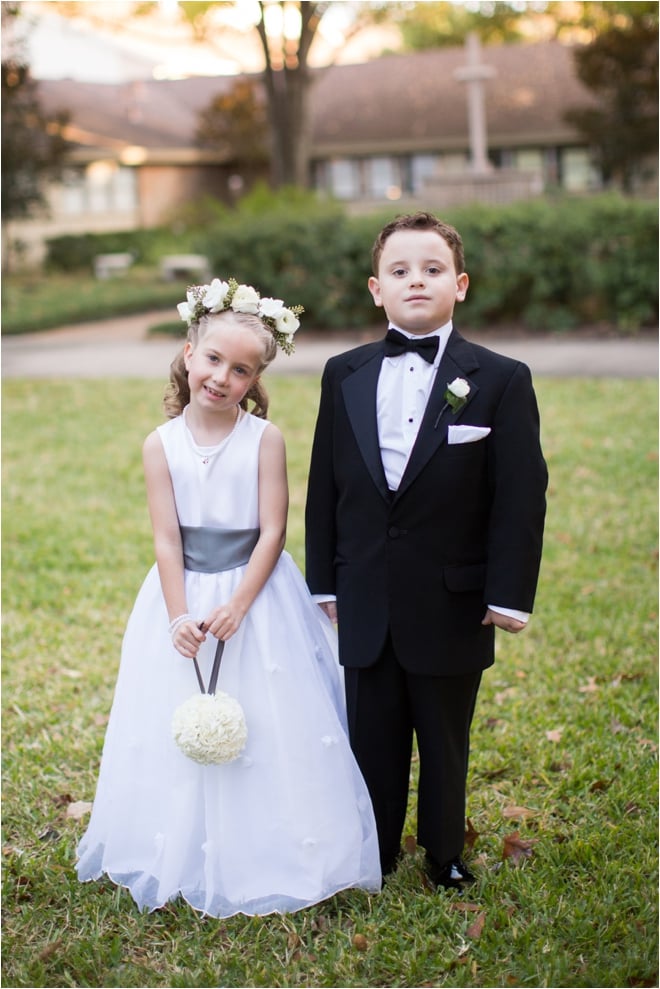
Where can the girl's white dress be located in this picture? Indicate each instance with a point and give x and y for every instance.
(289, 822)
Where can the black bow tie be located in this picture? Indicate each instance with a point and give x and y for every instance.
(396, 343)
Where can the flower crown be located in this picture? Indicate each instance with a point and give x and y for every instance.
(218, 296)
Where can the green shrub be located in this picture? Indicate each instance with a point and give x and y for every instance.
(76, 252)
(300, 250)
(555, 264)
(543, 265)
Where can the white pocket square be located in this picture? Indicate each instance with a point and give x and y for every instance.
(467, 434)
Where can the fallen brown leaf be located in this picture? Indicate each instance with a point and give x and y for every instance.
(410, 844)
(77, 809)
(518, 813)
(589, 687)
(360, 942)
(471, 836)
(554, 735)
(516, 849)
(476, 927)
(49, 950)
(462, 907)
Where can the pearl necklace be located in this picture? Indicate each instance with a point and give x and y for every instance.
(209, 453)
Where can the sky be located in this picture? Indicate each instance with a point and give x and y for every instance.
(60, 47)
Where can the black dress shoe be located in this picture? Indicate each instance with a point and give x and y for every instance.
(453, 875)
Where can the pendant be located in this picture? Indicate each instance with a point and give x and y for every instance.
(205, 460)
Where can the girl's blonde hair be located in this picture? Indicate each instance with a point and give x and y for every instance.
(177, 392)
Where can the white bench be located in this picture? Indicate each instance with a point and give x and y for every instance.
(178, 266)
(107, 265)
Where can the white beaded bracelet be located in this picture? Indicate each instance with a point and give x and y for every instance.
(174, 624)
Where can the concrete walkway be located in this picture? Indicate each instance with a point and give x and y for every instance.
(121, 348)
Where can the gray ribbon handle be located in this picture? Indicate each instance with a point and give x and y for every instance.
(215, 669)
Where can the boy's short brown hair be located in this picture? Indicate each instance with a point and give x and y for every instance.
(420, 221)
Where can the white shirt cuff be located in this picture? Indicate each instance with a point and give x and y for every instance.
(521, 616)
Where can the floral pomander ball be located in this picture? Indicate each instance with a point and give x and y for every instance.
(210, 728)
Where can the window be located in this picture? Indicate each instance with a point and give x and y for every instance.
(422, 167)
(383, 178)
(102, 187)
(344, 178)
(577, 172)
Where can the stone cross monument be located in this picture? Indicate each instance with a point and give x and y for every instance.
(474, 75)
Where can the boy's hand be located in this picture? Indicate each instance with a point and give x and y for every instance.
(505, 622)
(329, 608)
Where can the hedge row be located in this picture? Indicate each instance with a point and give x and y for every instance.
(542, 264)
(76, 252)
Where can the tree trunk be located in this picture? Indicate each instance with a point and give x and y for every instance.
(287, 82)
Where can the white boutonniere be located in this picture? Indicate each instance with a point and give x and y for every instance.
(455, 398)
(457, 393)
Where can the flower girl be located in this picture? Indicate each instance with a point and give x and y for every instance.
(247, 799)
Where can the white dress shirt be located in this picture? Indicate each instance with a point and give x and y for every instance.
(404, 386)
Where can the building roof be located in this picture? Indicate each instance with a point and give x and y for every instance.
(394, 103)
(418, 100)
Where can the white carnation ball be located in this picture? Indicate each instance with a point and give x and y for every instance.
(210, 728)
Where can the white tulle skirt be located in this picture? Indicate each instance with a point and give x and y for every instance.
(287, 824)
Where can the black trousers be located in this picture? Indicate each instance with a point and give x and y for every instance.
(385, 706)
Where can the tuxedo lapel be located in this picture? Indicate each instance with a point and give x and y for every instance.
(458, 361)
(359, 390)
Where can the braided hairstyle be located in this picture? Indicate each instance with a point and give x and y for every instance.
(177, 392)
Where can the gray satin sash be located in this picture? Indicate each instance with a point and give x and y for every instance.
(207, 549)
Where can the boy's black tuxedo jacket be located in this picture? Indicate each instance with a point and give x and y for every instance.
(464, 529)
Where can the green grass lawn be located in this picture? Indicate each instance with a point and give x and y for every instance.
(35, 301)
(563, 782)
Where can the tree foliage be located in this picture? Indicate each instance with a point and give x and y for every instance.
(237, 121)
(444, 25)
(620, 67)
(286, 31)
(33, 144)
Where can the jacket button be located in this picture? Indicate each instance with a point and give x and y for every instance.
(393, 532)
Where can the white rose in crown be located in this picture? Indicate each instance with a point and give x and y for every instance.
(215, 295)
(271, 308)
(457, 393)
(245, 299)
(187, 309)
(287, 323)
(220, 296)
(210, 728)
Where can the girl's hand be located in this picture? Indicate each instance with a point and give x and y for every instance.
(187, 639)
(224, 621)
